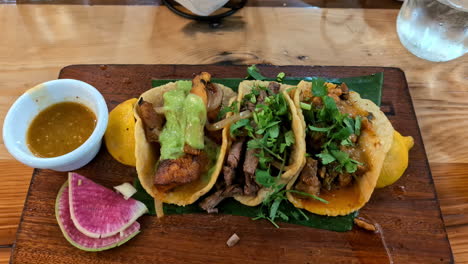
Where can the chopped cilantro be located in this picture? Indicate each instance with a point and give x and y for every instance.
(338, 128)
(274, 208)
(280, 77)
(318, 87)
(226, 109)
(254, 73)
(264, 178)
(289, 138)
(320, 129)
(306, 106)
(237, 125)
(308, 195)
(357, 126)
(326, 158)
(271, 206)
(270, 133)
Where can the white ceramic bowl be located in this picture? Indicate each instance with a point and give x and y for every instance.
(28, 105)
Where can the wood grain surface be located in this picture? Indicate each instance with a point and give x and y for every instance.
(407, 212)
(38, 40)
(257, 3)
(5, 254)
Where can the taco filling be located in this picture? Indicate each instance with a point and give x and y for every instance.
(260, 146)
(334, 157)
(346, 140)
(178, 128)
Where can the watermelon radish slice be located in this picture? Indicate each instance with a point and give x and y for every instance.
(78, 239)
(99, 212)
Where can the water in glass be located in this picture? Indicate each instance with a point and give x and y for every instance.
(435, 30)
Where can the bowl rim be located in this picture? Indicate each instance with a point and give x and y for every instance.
(95, 137)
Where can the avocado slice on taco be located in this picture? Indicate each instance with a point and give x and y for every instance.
(346, 141)
(262, 149)
(179, 148)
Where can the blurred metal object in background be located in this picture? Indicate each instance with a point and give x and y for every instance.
(228, 9)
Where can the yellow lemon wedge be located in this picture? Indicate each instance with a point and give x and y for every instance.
(396, 160)
(120, 133)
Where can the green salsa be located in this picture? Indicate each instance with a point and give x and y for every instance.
(185, 119)
(195, 119)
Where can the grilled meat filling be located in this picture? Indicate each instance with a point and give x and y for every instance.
(240, 160)
(209, 203)
(175, 172)
(234, 156)
(316, 175)
(153, 122)
(308, 181)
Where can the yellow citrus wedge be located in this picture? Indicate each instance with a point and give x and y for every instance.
(120, 133)
(396, 160)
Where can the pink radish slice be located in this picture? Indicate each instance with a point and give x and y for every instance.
(100, 212)
(80, 240)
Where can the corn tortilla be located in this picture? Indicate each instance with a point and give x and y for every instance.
(376, 144)
(296, 160)
(147, 155)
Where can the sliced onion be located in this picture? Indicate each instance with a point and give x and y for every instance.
(159, 110)
(223, 123)
(215, 99)
(278, 165)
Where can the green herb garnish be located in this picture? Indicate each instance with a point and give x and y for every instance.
(280, 77)
(229, 108)
(306, 106)
(270, 133)
(270, 209)
(254, 73)
(338, 128)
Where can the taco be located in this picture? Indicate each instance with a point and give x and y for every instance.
(262, 154)
(346, 139)
(177, 158)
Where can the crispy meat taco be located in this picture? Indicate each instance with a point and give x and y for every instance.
(179, 147)
(346, 139)
(262, 149)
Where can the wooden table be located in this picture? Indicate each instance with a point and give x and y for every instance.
(38, 40)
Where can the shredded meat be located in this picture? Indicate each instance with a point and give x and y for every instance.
(210, 202)
(235, 153)
(274, 87)
(174, 172)
(308, 181)
(213, 92)
(261, 97)
(232, 161)
(215, 136)
(248, 106)
(153, 122)
(334, 91)
(344, 179)
(250, 165)
(212, 115)
(192, 151)
(233, 240)
(229, 174)
(199, 85)
(344, 91)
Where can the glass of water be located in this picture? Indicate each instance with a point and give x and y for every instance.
(435, 30)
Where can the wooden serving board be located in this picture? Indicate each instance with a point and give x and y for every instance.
(408, 212)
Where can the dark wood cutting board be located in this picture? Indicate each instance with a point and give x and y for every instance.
(408, 212)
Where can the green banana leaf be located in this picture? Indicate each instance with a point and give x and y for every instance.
(232, 207)
(369, 87)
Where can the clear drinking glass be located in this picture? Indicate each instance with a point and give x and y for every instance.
(435, 30)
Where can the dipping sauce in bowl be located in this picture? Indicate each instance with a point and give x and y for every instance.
(57, 125)
(60, 129)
